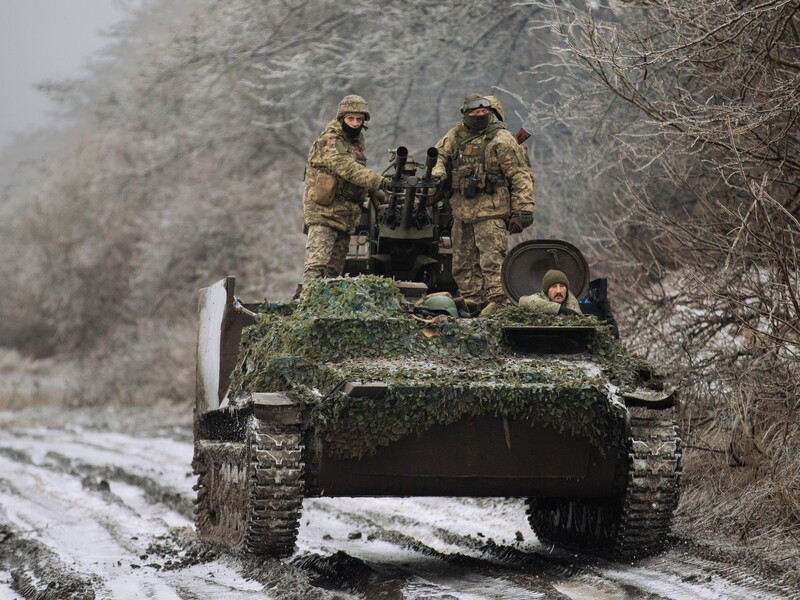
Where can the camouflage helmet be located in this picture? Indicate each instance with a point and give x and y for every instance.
(473, 101)
(496, 107)
(441, 304)
(352, 104)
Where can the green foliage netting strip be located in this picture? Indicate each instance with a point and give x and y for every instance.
(351, 428)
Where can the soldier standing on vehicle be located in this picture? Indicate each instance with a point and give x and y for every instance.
(492, 196)
(555, 297)
(337, 181)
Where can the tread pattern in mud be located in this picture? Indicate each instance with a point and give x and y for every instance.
(37, 571)
(414, 548)
(639, 525)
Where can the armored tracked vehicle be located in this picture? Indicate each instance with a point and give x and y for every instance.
(358, 389)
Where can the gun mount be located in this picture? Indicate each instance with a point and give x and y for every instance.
(407, 237)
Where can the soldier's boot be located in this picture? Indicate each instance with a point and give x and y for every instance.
(474, 307)
(467, 308)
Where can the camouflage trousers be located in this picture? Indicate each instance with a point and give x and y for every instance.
(326, 251)
(478, 253)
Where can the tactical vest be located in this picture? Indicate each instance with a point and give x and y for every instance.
(470, 176)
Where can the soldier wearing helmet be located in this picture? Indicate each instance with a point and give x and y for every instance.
(337, 181)
(492, 196)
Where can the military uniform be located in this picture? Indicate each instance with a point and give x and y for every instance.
(491, 180)
(540, 303)
(497, 109)
(337, 182)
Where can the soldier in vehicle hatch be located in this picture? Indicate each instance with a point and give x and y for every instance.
(555, 297)
(492, 196)
(337, 181)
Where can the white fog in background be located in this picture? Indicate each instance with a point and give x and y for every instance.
(46, 40)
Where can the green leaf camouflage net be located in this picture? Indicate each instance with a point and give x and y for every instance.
(361, 330)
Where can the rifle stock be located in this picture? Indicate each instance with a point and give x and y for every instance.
(522, 135)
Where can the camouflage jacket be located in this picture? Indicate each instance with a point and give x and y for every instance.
(337, 180)
(540, 303)
(499, 166)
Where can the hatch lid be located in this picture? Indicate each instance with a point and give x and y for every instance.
(526, 264)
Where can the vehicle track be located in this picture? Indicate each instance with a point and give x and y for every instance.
(123, 534)
(90, 513)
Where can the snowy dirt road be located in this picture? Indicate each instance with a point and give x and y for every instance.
(87, 512)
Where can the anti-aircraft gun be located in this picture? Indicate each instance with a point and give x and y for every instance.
(351, 392)
(408, 236)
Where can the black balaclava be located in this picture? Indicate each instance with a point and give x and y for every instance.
(477, 124)
(352, 132)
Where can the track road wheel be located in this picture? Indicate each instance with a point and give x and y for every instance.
(250, 495)
(636, 524)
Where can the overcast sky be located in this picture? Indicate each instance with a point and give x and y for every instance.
(45, 39)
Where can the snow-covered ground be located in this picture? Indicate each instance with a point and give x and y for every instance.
(94, 513)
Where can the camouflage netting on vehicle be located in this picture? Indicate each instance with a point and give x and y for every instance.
(570, 402)
(359, 329)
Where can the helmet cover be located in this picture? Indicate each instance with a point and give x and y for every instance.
(353, 104)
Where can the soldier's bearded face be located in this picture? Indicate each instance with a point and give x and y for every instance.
(557, 292)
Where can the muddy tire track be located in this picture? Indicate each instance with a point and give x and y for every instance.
(684, 571)
(89, 513)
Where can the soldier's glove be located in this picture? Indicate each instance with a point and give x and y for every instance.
(566, 311)
(380, 196)
(386, 185)
(437, 181)
(520, 220)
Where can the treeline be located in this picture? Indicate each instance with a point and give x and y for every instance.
(665, 146)
(706, 234)
(188, 162)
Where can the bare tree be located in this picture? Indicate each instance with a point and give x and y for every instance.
(188, 151)
(705, 229)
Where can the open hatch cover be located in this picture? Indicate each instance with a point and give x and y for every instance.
(526, 264)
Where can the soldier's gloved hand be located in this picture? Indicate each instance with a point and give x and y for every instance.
(386, 185)
(437, 181)
(520, 220)
(566, 311)
(380, 196)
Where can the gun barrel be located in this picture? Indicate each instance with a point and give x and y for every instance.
(408, 203)
(400, 158)
(431, 158)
